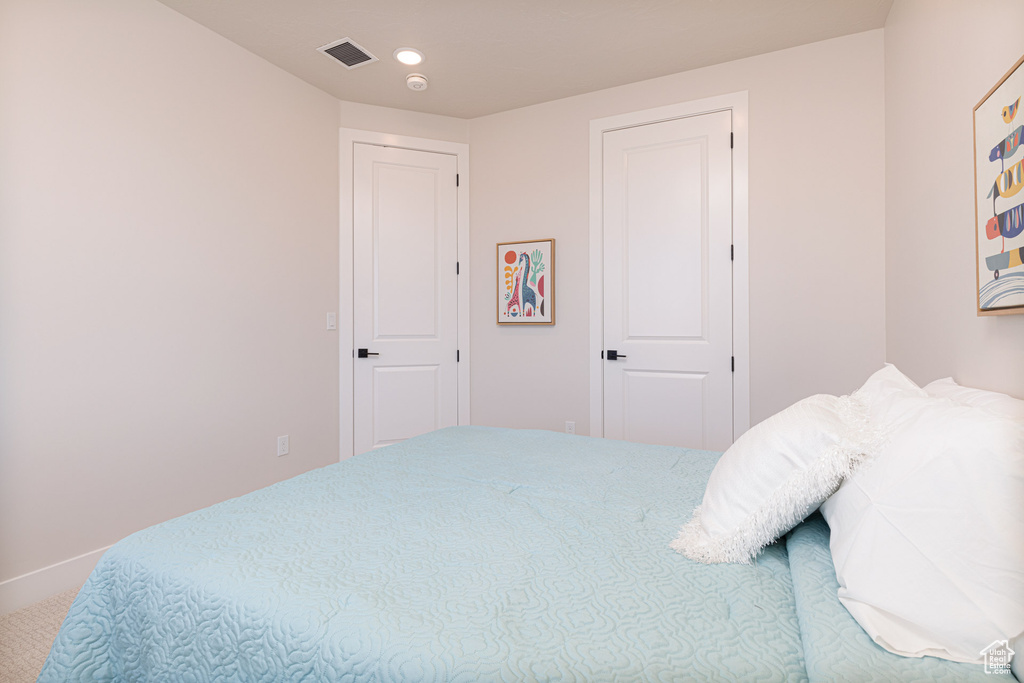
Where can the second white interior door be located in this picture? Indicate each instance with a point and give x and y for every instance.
(667, 194)
(405, 289)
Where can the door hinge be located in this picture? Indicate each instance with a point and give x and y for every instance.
(602, 354)
(457, 360)
(732, 252)
(456, 267)
(730, 140)
(734, 363)
(456, 180)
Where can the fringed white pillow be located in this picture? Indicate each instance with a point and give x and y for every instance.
(774, 476)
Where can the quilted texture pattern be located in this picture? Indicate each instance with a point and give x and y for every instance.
(468, 554)
(836, 647)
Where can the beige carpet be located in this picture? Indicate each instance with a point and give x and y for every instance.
(26, 637)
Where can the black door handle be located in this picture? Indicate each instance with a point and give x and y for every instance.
(365, 353)
(612, 354)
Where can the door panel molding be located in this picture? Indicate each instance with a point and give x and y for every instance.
(660, 426)
(737, 104)
(347, 139)
(390, 384)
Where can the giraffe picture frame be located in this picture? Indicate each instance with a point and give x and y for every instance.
(526, 282)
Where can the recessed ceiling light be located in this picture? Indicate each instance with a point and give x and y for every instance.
(408, 55)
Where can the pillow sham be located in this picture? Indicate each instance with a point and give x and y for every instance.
(880, 391)
(773, 477)
(1001, 404)
(927, 538)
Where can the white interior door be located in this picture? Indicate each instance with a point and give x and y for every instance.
(668, 282)
(405, 290)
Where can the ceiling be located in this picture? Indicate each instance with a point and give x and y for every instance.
(488, 56)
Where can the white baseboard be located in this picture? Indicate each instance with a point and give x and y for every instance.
(22, 591)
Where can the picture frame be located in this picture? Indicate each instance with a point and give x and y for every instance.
(998, 196)
(526, 282)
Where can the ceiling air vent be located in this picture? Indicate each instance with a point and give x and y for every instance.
(348, 53)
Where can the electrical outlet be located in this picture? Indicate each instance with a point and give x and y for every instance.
(332, 321)
(282, 445)
(570, 427)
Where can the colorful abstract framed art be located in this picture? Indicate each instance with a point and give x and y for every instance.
(526, 282)
(999, 202)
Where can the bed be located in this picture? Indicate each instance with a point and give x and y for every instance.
(469, 554)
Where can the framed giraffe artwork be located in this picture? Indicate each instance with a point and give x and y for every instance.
(998, 200)
(526, 282)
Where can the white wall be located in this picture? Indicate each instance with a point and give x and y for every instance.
(168, 251)
(941, 58)
(817, 155)
(400, 122)
(168, 247)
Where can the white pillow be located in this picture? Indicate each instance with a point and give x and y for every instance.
(881, 389)
(774, 476)
(928, 538)
(1001, 404)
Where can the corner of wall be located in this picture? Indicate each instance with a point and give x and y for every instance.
(402, 122)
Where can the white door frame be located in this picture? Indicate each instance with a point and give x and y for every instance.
(737, 104)
(348, 137)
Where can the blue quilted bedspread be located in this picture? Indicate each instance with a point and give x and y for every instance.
(468, 554)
